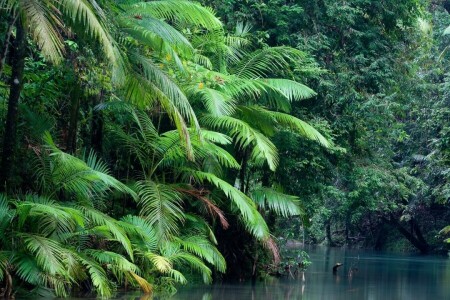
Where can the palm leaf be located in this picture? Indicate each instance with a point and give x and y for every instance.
(161, 206)
(282, 204)
(177, 10)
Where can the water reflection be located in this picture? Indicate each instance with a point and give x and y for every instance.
(363, 275)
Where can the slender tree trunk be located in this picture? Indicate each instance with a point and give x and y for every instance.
(242, 171)
(6, 43)
(97, 125)
(331, 243)
(16, 85)
(71, 145)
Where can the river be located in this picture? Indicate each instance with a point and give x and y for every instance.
(379, 276)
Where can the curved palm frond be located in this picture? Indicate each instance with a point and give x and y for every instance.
(161, 206)
(43, 19)
(177, 10)
(113, 226)
(302, 128)
(86, 14)
(75, 176)
(98, 276)
(266, 61)
(282, 204)
(154, 32)
(202, 247)
(245, 135)
(51, 216)
(251, 217)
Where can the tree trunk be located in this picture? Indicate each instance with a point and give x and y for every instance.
(7, 291)
(331, 243)
(6, 43)
(242, 171)
(97, 125)
(9, 140)
(419, 243)
(71, 144)
(419, 234)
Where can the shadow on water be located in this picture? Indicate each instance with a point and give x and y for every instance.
(363, 275)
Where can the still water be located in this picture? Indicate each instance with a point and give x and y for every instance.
(378, 276)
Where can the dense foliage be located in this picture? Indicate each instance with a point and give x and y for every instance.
(381, 94)
(148, 143)
(128, 130)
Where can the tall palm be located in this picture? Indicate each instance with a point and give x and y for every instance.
(245, 94)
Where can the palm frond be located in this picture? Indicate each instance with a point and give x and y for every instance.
(98, 276)
(203, 248)
(153, 32)
(100, 219)
(263, 62)
(177, 10)
(43, 20)
(48, 253)
(292, 90)
(251, 217)
(282, 204)
(302, 128)
(245, 135)
(81, 11)
(75, 176)
(161, 206)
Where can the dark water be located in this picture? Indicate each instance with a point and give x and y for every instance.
(379, 276)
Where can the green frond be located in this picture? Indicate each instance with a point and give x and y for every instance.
(98, 276)
(82, 12)
(100, 219)
(177, 276)
(52, 217)
(203, 248)
(73, 175)
(140, 227)
(251, 217)
(167, 86)
(177, 10)
(153, 32)
(266, 61)
(282, 204)
(245, 135)
(4, 262)
(202, 60)
(114, 262)
(161, 206)
(48, 253)
(28, 270)
(215, 137)
(43, 20)
(174, 154)
(301, 127)
(194, 263)
(292, 90)
(6, 215)
(161, 263)
(216, 102)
